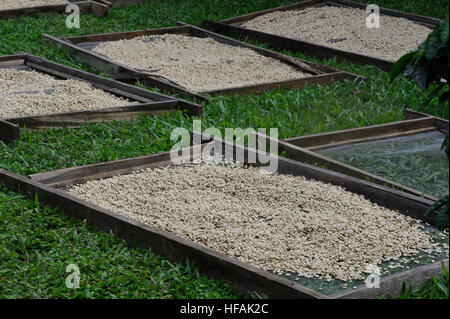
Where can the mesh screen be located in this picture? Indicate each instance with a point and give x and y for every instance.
(416, 161)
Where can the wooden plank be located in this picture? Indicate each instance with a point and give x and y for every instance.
(393, 284)
(176, 249)
(363, 134)
(371, 138)
(103, 37)
(440, 123)
(116, 71)
(7, 61)
(8, 131)
(232, 27)
(294, 6)
(100, 8)
(79, 175)
(306, 156)
(321, 79)
(166, 85)
(409, 114)
(20, 57)
(78, 118)
(82, 174)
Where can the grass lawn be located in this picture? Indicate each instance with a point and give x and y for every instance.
(37, 243)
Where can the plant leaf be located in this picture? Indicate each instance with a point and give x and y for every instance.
(444, 96)
(400, 65)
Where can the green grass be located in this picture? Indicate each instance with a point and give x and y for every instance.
(435, 288)
(37, 243)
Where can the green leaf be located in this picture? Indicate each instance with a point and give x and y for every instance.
(436, 40)
(444, 270)
(431, 96)
(443, 289)
(445, 31)
(400, 65)
(444, 96)
(432, 46)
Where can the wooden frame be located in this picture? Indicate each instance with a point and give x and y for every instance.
(302, 148)
(150, 102)
(412, 114)
(98, 7)
(81, 46)
(49, 189)
(232, 27)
